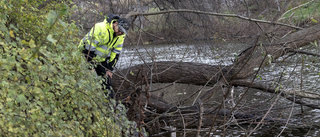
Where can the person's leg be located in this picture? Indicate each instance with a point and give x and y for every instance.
(100, 70)
(107, 86)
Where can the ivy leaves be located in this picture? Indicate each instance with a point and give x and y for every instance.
(51, 39)
(52, 17)
(46, 88)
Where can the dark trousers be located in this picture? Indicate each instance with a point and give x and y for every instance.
(101, 71)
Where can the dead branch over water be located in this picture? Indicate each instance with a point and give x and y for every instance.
(130, 14)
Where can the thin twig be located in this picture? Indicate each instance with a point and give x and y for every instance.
(296, 8)
(287, 119)
(304, 52)
(91, 38)
(200, 117)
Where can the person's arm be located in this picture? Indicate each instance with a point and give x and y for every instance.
(93, 38)
(110, 65)
(115, 53)
(112, 62)
(113, 59)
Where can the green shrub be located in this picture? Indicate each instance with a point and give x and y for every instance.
(46, 88)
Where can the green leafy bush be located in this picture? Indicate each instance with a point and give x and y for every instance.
(46, 88)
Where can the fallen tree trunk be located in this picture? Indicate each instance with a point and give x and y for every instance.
(168, 72)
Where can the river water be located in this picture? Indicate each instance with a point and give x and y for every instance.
(288, 74)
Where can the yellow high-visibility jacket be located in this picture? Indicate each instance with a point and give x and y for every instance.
(103, 42)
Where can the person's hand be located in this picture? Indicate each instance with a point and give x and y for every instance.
(108, 73)
(92, 70)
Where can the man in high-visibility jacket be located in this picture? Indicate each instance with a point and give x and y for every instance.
(104, 44)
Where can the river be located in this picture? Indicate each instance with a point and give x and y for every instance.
(303, 120)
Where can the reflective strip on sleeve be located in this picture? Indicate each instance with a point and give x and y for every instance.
(116, 51)
(93, 48)
(99, 53)
(96, 42)
(120, 46)
(104, 47)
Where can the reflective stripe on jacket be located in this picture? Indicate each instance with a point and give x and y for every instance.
(103, 42)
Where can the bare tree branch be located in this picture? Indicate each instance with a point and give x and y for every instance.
(304, 52)
(211, 13)
(266, 88)
(296, 8)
